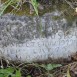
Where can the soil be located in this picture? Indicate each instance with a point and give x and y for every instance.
(34, 69)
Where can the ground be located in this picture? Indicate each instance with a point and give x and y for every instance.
(40, 69)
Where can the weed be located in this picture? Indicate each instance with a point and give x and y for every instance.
(16, 4)
(28, 70)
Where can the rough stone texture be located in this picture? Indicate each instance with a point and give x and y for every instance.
(37, 38)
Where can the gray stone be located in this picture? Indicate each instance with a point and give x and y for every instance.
(37, 38)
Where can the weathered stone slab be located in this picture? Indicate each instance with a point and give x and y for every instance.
(37, 38)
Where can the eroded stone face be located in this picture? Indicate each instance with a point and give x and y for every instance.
(37, 38)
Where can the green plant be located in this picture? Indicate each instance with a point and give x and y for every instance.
(49, 66)
(6, 4)
(12, 72)
(15, 71)
(16, 4)
(35, 5)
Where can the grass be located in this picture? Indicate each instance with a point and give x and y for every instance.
(16, 4)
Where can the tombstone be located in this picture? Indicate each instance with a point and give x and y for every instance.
(32, 39)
